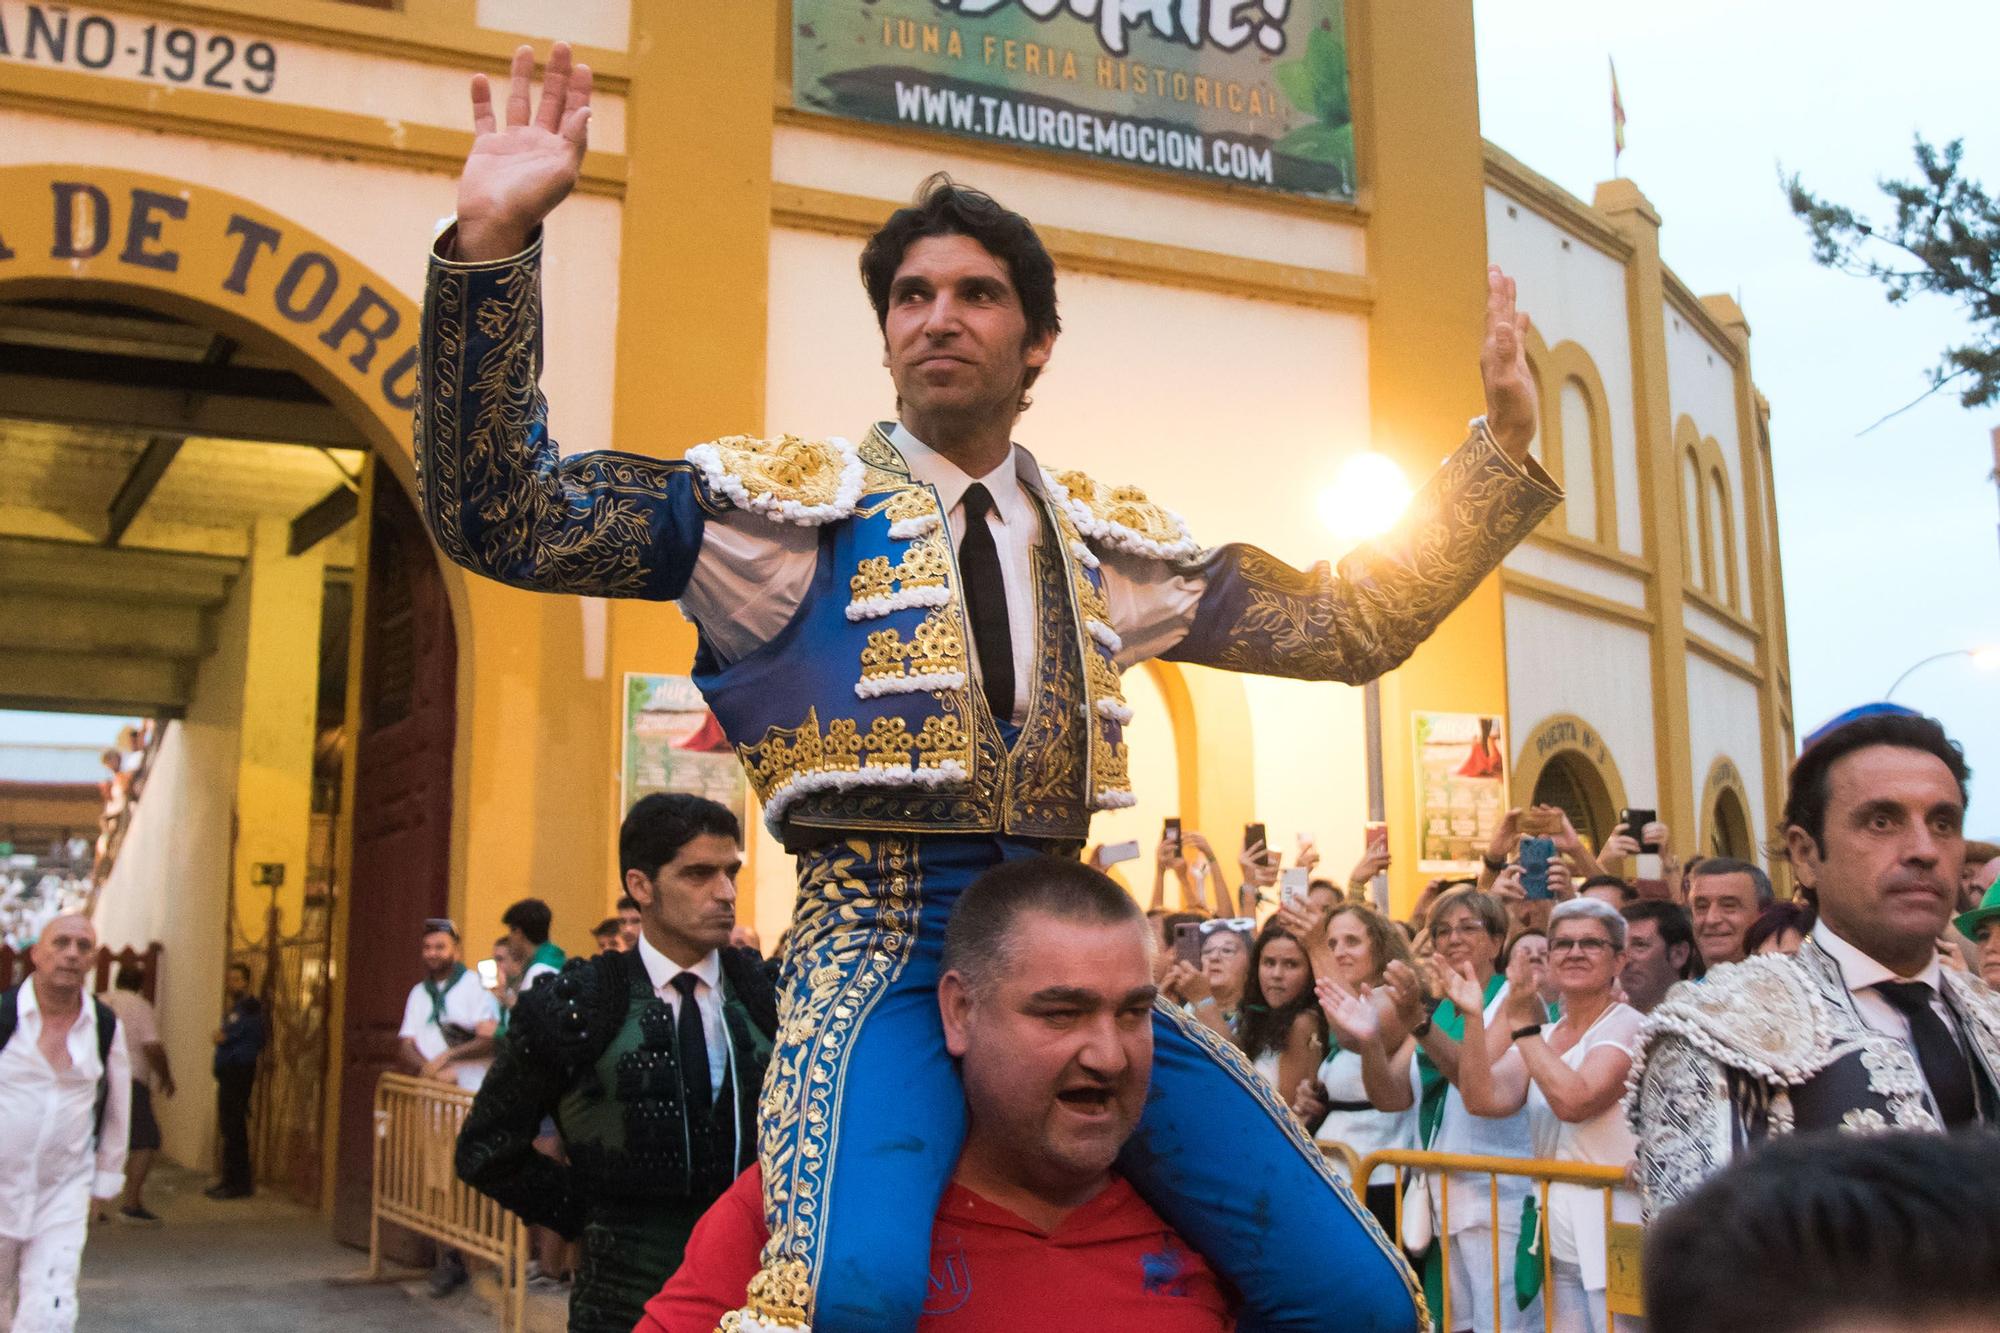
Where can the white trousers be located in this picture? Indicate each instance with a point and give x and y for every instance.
(38, 1274)
(1473, 1297)
(1580, 1309)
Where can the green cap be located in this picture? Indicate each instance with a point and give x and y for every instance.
(1968, 923)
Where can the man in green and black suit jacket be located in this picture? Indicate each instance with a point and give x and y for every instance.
(650, 1062)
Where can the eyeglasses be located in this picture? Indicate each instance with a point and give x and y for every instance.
(1464, 930)
(1559, 948)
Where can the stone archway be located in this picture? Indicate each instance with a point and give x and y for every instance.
(1725, 814)
(81, 233)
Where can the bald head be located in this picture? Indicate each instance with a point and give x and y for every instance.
(63, 955)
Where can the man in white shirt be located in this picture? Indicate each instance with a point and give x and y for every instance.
(450, 1018)
(65, 1098)
(1863, 1029)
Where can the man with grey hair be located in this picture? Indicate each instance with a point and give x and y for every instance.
(65, 1098)
(1724, 897)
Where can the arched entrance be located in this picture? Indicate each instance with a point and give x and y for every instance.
(169, 324)
(1725, 814)
(1564, 762)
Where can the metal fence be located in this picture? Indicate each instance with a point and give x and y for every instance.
(1622, 1294)
(416, 1130)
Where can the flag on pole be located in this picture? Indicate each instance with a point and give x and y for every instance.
(1617, 119)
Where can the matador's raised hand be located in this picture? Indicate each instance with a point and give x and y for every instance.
(519, 171)
(1503, 365)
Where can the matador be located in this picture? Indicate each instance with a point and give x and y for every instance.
(914, 644)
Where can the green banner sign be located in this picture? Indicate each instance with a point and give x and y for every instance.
(1252, 92)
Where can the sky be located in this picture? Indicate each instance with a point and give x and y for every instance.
(1890, 540)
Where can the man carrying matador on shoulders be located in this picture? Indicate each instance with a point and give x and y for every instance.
(914, 644)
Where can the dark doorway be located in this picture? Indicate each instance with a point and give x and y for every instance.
(1568, 780)
(404, 741)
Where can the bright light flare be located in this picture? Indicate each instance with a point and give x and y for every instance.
(1986, 659)
(1368, 495)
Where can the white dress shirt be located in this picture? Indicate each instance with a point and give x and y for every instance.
(752, 574)
(46, 1115)
(661, 971)
(1862, 974)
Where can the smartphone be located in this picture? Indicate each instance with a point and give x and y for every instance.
(1113, 853)
(1187, 943)
(1292, 886)
(1253, 834)
(1170, 832)
(1635, 822)
(1536, 853)
(1375, 835)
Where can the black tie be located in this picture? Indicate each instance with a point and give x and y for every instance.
(693, 1044)
(1945, 1068)
(986, 604)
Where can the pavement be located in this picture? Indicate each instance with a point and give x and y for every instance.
(256, 1265)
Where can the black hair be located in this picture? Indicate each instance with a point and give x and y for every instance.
(626, 903)
(977, 940)
(1776, 920)
(1728, 865)
(1675, 927)
(244, 968)
(608, 926)
(1264, 1028)
(1628, 893)
(1810, 786)
(658, 826)
(1862, 1230)
(943, 207)
(530, 916)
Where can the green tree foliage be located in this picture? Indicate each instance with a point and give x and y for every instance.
(1944, 240)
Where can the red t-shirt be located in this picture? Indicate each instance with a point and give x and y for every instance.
(1113, 1263)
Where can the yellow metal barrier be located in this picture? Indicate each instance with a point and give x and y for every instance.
(416, 1131)
(1622, 1239)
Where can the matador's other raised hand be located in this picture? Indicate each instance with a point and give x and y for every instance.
(1511, 409)
(519, 171)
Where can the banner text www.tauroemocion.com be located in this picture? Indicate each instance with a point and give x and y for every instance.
(1102, 136)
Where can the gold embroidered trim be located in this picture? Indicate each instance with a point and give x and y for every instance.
(788, 480)
(1108, 772)
(791, 762)
(1121, 517)
(920, 578)
(934, 660)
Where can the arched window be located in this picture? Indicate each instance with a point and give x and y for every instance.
(1579, 460)
(1569, 781)
(1695, 533)
(1723, 549)
(1729, 827)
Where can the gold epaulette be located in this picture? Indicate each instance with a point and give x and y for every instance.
(1121, 517)
(787, 479)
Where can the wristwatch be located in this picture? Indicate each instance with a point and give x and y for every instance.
(1495, 866)
(1422, 1029)
(1532, 1030)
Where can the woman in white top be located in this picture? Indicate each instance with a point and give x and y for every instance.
(1571, 1077)
(1349, 954)
(1282, 1030)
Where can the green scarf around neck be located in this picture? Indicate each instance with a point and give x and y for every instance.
(437, 992)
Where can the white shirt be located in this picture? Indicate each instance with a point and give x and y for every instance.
(661, 971)
(753, 574)
(467, 1005)
(1861, 974)
(1460, 1131)
(1366, 1132)
(46, 1117)
(1576, 1212)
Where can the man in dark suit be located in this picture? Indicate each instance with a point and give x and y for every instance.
(651, 1063)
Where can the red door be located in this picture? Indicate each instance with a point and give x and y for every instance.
(402, 819)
